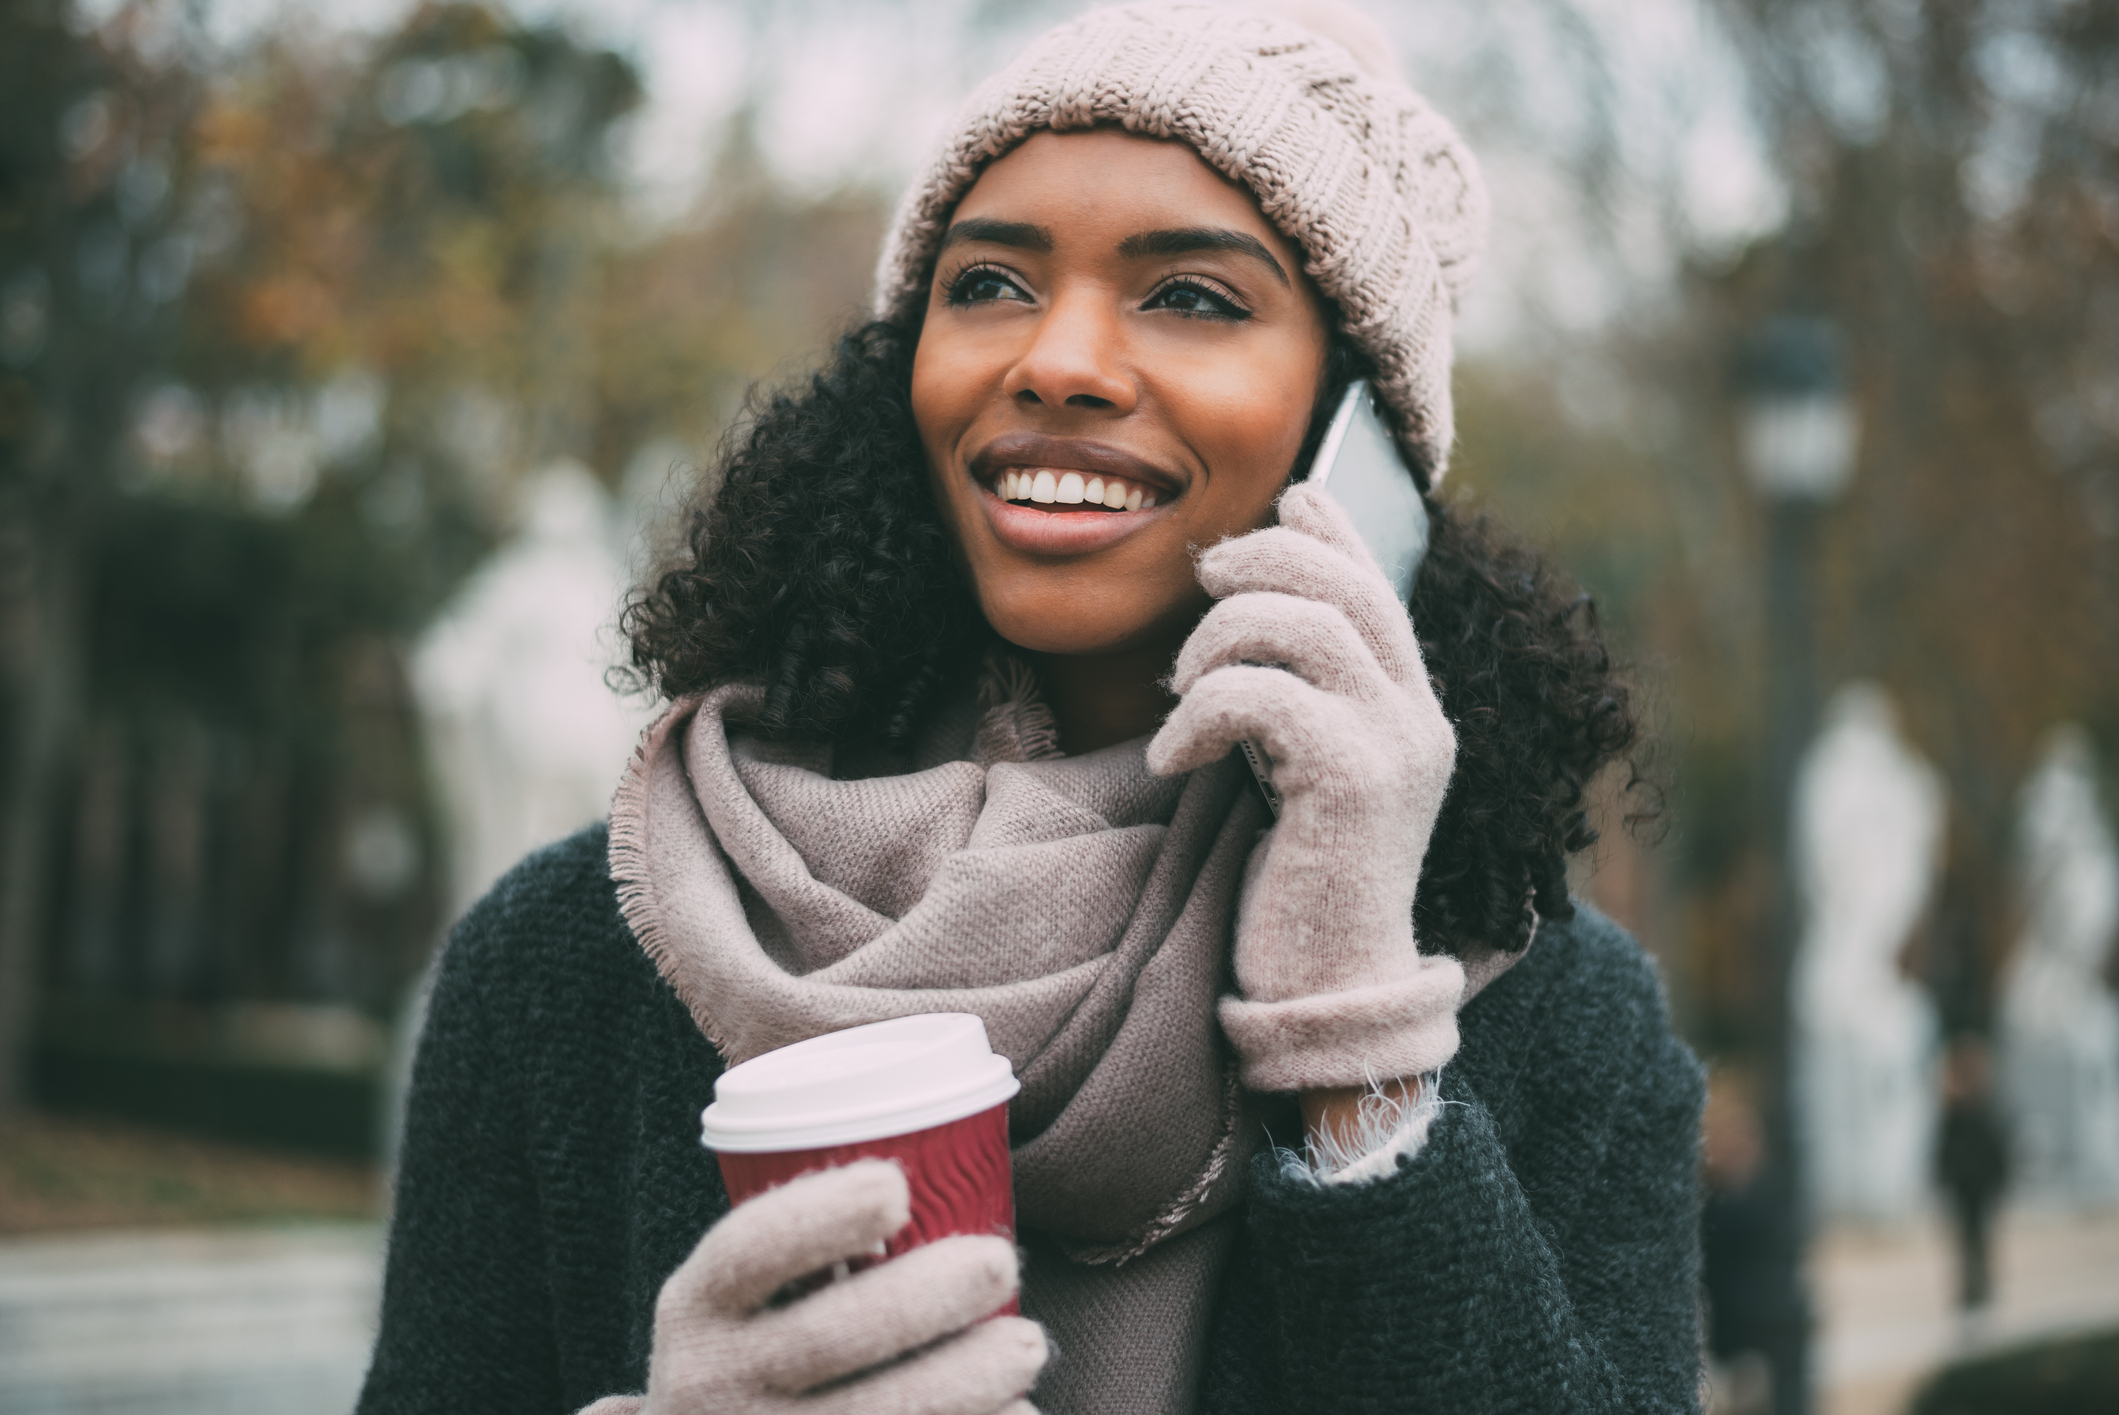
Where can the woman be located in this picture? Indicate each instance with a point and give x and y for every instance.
(954, 696)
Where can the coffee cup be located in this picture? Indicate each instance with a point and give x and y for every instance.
(926, 1091)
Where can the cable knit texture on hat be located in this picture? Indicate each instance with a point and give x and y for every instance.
(1374, 185)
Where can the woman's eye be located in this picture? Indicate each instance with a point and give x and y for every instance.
(983, 283)
(1190, 297)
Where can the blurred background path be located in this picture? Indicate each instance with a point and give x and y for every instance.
(276, 1320)
(1886, 1318)
(204, 1322)
(145, 1272)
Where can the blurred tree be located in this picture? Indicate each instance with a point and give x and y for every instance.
(752, 285)
(1957, 213)
(1953, 212)
(88, 267)
(408, 271)
(1952, 206)
(277, 331)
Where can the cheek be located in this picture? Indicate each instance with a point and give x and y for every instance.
(948, 393)
(1247, 418)
(941, 396)
(1264, 418)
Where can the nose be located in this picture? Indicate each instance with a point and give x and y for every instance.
(1075, 359)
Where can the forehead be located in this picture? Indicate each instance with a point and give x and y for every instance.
(1107, 183)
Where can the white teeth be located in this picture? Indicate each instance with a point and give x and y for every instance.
(1048, 487)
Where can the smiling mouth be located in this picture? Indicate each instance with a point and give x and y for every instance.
(1056, 489)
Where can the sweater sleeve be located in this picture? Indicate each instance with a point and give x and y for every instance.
(466, 1322)
(1552, 1267)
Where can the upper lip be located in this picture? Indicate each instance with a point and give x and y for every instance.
(1038, 449)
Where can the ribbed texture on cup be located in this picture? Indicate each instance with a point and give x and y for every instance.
(959, 1175)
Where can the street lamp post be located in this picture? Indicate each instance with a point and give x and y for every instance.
(1797, 436)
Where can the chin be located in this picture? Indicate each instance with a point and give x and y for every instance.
(1078, 631)
(1112, 605)
(1065, 641)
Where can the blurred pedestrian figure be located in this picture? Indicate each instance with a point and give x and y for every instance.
(1753, 1313)
(1869, 818)
(1971, 1161)
(2058, 1026)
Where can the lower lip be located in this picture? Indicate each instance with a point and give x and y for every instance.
(1036, 531)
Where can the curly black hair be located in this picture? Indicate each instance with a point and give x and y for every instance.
(818, 562)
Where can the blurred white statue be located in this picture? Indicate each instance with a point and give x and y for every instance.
(1868, 823)
(2059, 1020)
(527, 740)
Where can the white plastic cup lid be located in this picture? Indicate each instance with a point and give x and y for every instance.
(865, 1083)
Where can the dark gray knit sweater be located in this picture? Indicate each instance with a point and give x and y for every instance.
(1539, 1255)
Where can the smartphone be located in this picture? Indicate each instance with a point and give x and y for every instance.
(1359, 466)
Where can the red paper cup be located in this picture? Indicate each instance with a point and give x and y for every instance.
(925, 1091)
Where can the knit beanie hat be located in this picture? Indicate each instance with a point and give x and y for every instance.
(1342, 156)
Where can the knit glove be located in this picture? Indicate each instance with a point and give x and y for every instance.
(1312, 654)
(723, 1348)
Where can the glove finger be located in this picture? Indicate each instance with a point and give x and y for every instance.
(1313, 511)
(796, 1229)
(985, 1371)
(882, 1313)
(1287, 561)
(1290, 717)
(1311, 640)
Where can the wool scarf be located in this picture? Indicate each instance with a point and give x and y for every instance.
(1082, 906)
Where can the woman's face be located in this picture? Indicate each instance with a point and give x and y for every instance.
(1118, 364)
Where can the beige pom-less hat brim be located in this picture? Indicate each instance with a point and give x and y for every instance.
(1378, 189)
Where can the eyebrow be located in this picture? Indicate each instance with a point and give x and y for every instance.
(1177, 240)
(1184, 239)
(1019, 234)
